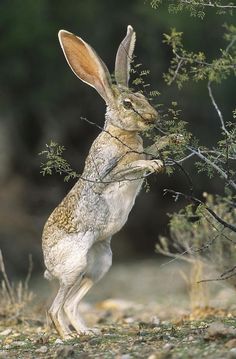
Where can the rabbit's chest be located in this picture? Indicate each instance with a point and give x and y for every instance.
(120, 198)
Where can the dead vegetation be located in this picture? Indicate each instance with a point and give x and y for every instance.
(196, 236)
(15, 297)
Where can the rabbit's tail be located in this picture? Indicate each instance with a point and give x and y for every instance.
(48, 275)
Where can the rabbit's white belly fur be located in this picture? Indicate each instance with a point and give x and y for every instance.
(120, 198)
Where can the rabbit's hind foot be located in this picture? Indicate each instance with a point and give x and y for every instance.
(61, 326)
(89, 332)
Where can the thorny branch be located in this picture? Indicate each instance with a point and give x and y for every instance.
(199, 202)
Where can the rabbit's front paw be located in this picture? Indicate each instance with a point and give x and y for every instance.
(155, 166)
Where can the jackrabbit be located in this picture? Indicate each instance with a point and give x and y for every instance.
(77, 235)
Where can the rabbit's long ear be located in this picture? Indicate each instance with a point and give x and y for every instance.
(124, 57)
(86, 64)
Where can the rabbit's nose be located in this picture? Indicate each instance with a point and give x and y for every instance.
(152, 116)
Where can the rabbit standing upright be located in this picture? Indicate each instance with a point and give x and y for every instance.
(77, 235)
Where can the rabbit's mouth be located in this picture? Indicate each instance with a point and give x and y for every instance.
(150, 118)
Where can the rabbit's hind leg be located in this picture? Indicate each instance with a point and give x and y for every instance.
(76, 293)
(57, 314)
(99, 259)
(68, 263)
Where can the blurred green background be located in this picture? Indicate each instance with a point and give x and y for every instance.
(42, 100)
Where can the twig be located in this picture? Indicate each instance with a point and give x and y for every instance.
(190, 250)
(177, 70)
(230, 44)
(182, 159)
(110, 134)
(5, 278)
(217, 279)
(217, 108)
(228, 271)
(190, 182)
(131, 150)
(203, 63)
(30, 269)
(219, 154)
(184, 58)
(208, 4)
(174, 255)
(221, 231)
(217, 168)
(199, 202)
(178, 163)
(205, 159)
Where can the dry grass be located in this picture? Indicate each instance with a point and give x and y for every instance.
(15, 297)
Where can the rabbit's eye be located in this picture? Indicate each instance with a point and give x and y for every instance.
(127, 104)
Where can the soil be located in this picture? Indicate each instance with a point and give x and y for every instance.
(142, 310)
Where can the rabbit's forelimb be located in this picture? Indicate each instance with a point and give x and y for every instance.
(138, 169)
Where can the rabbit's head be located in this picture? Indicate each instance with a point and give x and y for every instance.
(125, 109)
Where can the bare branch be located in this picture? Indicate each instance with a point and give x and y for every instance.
(177, 69)
(171, 162)
(217, 108)
(208, 4)
(230, 44)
